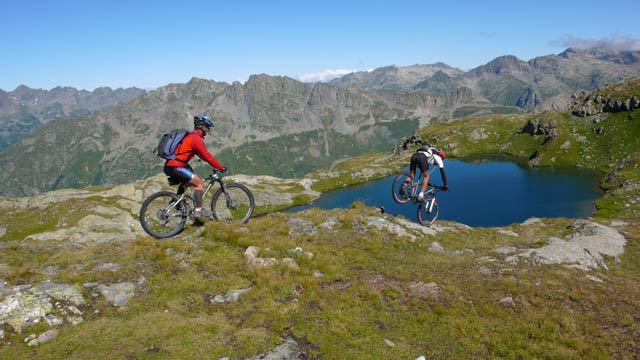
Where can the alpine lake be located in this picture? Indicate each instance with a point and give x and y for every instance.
(485, 192)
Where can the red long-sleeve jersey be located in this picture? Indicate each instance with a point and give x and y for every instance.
(193, 144)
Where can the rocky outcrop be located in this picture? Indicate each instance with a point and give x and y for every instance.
(595, 104)
(585, 248)
(539, 126)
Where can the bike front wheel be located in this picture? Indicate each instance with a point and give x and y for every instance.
(235, 205)
(428, 212)
(401, 190)
(162, 216)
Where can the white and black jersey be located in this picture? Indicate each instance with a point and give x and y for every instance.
(424, 159)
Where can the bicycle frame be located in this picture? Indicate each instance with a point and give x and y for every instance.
(210, 183)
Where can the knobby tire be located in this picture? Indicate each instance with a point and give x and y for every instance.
(159, 219)
(241, 206)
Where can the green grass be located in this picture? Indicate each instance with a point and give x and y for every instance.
(363, 298)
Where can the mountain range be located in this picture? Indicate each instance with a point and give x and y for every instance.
(507, 80)
(24, 109)
(280, 126)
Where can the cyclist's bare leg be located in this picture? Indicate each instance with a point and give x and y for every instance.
(198, 184)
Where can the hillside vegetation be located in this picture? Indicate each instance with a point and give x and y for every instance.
(339, 284)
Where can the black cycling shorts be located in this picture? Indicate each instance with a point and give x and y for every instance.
(178, 175)
(421, 160)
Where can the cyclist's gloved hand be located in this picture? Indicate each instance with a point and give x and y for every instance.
(224, 170)
(445, 187)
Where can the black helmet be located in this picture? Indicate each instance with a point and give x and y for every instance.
(200, 120)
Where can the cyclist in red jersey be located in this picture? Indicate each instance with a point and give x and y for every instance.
(179, 170)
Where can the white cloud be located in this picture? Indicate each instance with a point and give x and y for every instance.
(325, 75)
(616, 42)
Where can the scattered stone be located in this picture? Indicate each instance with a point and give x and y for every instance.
(291, 263)
(330, 222)
(436, 247)
(507, 301)
(595, 278)
(300, 227)
(1, 333)
(422, 290)
(512, 259)
(118, 294)
(46, 337)
(231, 295)
(389, 343)
(505, 250)
(109, 267)
(299, 250)
(289, 350)
(63, 292)
(383, 224)
(3, 231)
(421, 358)
(317, 274)
(53, 320)
(508, 232)
(75, 320)
(533, 221)
(30, 338)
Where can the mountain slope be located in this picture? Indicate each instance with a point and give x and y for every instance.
(116, 145)
(508, 80)
(24, 109)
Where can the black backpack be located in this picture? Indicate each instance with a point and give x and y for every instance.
(431, 151)
(170, 142)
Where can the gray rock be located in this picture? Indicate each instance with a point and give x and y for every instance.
(533, 221)
(75, 320)
(330, 222)
(109, 267)
(595, 278)
(389, 343)
(231, 295)
(507, 300)
(63, 292)
(583, 249)
(118, 294)
(505, 250)
(3, 231)
(436, 247)
(1, 333)
(21, 310)
(53, 320)
(291, 263)
(508, 232)
(300, 227)
(289, 350)
(47, 336)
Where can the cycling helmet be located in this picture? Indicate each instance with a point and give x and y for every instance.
(440, 153)
(200, 120)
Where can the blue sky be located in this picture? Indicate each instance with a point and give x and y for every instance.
(147, 44)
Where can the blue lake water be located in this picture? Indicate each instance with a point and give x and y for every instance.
(485, 193)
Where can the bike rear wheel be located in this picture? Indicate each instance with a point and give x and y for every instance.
(234, 207)
(159, 216)
(401, 190)
(428, 212)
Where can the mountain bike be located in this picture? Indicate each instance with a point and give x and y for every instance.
(165, 213)
(407, 191)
